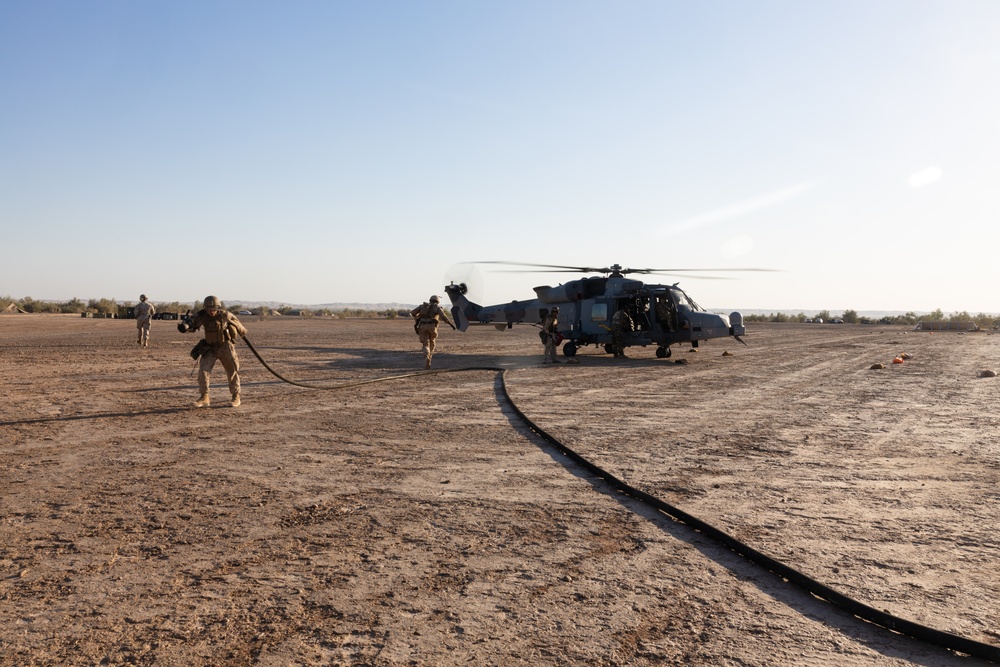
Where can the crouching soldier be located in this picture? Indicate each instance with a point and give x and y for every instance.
(425, 322)
(221, 331)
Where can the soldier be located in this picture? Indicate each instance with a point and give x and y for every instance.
(549, 324)
(144, 312)
(221, 330)
(425, 322)
(621, 324)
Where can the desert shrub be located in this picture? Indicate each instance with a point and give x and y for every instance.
(103, 306)
(74, 305)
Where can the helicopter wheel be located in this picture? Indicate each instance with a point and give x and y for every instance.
(609, 348)
(569, 350)
(662, 352)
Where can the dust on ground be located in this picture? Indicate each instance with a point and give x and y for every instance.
(417, 522)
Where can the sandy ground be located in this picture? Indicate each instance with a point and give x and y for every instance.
(417, 522)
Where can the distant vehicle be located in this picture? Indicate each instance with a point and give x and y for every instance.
(837, 322)
(819, 320)
(808, 320)
(245, 312)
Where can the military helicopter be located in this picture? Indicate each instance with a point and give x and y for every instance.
(662, 315)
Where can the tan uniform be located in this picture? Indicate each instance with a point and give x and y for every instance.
(221, 331)
(144, 312)
(549, 325)
(426, 317)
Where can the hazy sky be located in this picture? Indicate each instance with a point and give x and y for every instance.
(338, 151)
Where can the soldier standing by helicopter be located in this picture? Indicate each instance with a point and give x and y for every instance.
(425, 322)
(550, 335)
(621, 324)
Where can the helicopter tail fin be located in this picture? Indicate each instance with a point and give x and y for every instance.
(461, 309)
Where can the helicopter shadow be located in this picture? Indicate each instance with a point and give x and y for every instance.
(876, 638)
(408, 361)
(365, 358)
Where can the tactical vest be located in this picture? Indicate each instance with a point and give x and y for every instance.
(217, 329)
(430, 311)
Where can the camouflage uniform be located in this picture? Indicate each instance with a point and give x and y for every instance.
(549, 325)
(144, 312)
(621, 324)
(425, 322)
(221, 330)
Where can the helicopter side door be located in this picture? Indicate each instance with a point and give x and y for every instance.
(665, 311)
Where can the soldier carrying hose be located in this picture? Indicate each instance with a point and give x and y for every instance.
(221, 331)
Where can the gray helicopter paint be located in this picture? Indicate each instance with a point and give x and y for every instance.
(664, 315)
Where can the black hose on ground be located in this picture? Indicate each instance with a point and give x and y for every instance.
(865, 612)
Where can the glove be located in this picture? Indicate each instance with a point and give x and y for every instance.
(183, 327)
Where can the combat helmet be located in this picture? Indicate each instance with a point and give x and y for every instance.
(435, 298)
(212, 302)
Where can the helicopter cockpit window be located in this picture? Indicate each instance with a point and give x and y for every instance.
(599, 312)
(681, 299)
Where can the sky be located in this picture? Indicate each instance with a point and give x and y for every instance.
(365, 152)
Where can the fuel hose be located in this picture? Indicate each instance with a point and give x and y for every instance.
(863, 611)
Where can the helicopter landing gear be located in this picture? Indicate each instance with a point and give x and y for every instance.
(609, 348)
(569, 349)
(662, 352)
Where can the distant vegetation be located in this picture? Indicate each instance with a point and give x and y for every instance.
(74, 305)
(341, 314)
(984, 320)
(111, 307)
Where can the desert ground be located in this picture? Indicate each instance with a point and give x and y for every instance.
(417, 521)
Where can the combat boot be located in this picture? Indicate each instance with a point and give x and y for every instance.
(202, 402)
(236, 401)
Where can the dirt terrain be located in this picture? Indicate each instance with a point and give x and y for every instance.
(418, 522)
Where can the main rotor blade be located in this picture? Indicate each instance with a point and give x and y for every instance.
(561, 268)
(577, 269)
(688, 270)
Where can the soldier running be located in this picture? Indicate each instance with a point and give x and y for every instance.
(221, 330)
(425, 322)
(144, 312)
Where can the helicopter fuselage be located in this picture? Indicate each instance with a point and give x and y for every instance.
(662, 315)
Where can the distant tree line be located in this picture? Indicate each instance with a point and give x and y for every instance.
(111, 307)
(74, 305)
(983, 320)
